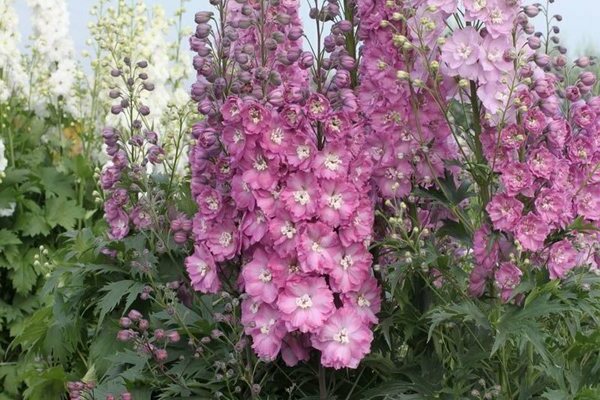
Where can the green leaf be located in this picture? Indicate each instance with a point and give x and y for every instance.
(115, 291)
(7, 238)
(57, 183)
(32, 224)
(63, 212)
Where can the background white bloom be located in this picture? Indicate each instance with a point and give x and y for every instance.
(12, 74)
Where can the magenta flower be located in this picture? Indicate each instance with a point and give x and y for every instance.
(209, 202)
(268, 333)
(350, 269)
(284, 233)
(338, 202)
(301, 195)
(255, 118)
(366, 300)
(305, 303)
(360, 226)
(588, 202)
(554, 207)
(223, 241)
(260, 280)
(260, 172)
(504, 211)
(202, 270)
(508, 277)
(531, 232)
(517, 178)
(542, 163)
(344, 339)
(318, 247)
(562, 258)
(331, 162)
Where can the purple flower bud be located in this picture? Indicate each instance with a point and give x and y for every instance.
(149, 86)
(160, 355)
(114, 94)
(115, 73)
(156, 154)
(143, 76)
(348, 62)
(110, 397)
(534, 42)
(142, 64)
(203, 17)
(180, 237)
(587, 78)
(572, 93)
(173, 336)
(126, 396)
(583, 62)
(124, 322)
(341, 79)
(134, 315)
(203, 31)
(306, 60)
(541, 60)
(345, 26)
(143, 324)
(531, 10)
(151, 137)
(560, 61)
(125, 335)
(144, 110)
(283, 18)
(116, 109)
(295, 33)
(275, 97)
(278, 37)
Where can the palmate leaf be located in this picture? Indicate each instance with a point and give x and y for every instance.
(63, 212)
(57, 183)
(115, 291)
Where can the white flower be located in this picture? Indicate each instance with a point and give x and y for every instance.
(13, 77)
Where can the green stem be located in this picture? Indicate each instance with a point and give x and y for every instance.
(322, 383)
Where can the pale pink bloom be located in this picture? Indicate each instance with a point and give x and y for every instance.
(268, 332)
(318, 246)
(360, 226)
(300, 151)
(253, 228)
(260, 280)
(562, 258)
(260, 172)
(305, 303)
(350, 268)
(588, 202)
(338, 202)
(517, 178)
(554, 207)
(542, 163)
(202, 270)
(531, 232)
(366, 300)
(223, 241)
(500, 18)
(344, 339)
(460, 53)
(284, 233)
(301, 195)
(255, 118)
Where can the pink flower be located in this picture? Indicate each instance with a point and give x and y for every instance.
(222, 240)
(460, 53)
(284, 233)
(562, 258)
(344, 340)
(295, 348)
(554, 207)
(268, 332)
(332, 162)
(366, 300)
(360, 226)
(317, 107)
(504, 211)
(318, 247)
(305, 303)
(255, 118)
(202, 270)
(338, 202)
(516, 178)
(351, 268)
(588, 202)
(253, 228)
(542, 163)
(260, 172)
(531, 231)
(301, 195)
(209, 202)
(260, 280)
(508, 277)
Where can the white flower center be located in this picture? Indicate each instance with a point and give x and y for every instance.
(225, 239)
(332, 162)
(277, 136)
(496, 16)
(342, 336)
(303, 152)
(478, 5)
(212, 203)
(255, 115)
(265, 276)
(464, 51)
(302, 197)
(237, 136)
(304, 301)
(254, 308)
(203, 268)
(362, 301)
(316, 247)
(346, 262)
(288, 230)
(335, 201)
(265, 329)
(260, 164)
